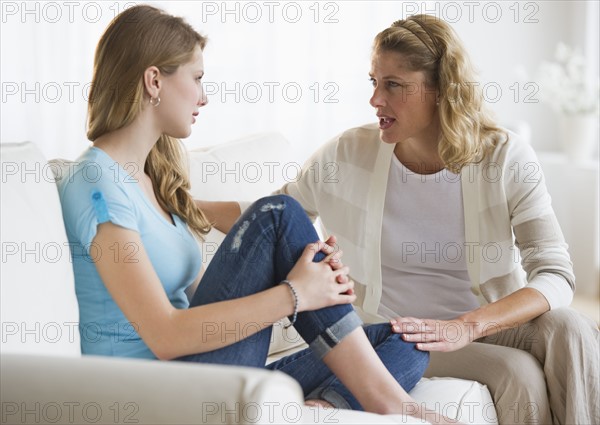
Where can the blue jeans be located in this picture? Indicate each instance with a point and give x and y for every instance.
(257, 254)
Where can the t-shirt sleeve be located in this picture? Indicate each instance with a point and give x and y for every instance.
(87, 203)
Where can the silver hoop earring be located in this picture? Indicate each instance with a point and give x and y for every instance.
(155, 102)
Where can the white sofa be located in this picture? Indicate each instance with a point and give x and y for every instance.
(44, 378)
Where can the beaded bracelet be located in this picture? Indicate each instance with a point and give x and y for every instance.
(295, 294)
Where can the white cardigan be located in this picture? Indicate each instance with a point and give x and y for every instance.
(512, 236)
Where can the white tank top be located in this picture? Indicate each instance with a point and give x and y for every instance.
(423, 252)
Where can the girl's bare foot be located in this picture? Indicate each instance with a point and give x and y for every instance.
(319, 403)
(435, 417)
(424, 414)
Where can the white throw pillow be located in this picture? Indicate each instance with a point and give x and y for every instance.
(39, 312)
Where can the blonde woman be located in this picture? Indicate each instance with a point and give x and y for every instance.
(131, 223)
(426, 204)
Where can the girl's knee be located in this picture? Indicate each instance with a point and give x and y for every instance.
(382, 333)
(272, 204)
(420, 358)
(277, 203)
(413, 360)
(378, 333)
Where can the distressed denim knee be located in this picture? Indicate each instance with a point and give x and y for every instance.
(263, 205)
(322, 329)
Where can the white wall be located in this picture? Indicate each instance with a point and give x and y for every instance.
(47, 52)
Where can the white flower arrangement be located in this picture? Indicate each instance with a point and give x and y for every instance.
(565, 85)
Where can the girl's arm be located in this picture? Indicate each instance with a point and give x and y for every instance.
(222, 215)
(191, 290)
(171, 332)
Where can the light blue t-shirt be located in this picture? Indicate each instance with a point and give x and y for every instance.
(96, 190)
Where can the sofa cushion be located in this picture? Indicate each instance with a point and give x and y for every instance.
(242, 170)
(467, 401)
(39, 311)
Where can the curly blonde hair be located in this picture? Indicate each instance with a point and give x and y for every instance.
(140, 37)
(430, 45)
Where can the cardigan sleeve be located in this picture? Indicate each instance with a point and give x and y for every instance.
(538, 236)
(305, 190)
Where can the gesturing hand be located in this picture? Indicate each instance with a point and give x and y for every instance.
(435, 335)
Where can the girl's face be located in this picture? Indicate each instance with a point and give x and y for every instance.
(405, 104)
(181, 97)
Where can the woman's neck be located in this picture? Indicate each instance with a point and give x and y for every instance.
(420, 155)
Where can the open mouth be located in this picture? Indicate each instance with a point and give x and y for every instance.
(385, 123)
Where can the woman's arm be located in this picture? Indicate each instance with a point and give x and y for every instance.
(171, 332)
(222, 215)
(510, 312)
(449, 335)
(545, 259)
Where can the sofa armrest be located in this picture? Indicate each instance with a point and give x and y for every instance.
(42, 389)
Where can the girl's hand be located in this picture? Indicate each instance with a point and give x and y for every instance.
(334, 257)
(435, 335)
(318, 284)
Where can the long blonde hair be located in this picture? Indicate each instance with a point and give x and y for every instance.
(430, 45)
(140, 37)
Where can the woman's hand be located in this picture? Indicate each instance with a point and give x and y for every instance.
(435, 335)
(321, 284)
(449, 335)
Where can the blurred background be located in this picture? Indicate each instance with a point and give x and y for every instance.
(301, 68)
(296, 67)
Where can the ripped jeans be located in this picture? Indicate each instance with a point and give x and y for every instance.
(257, 254)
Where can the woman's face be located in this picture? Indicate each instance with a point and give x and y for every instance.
(405, 104)
(181, 97)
